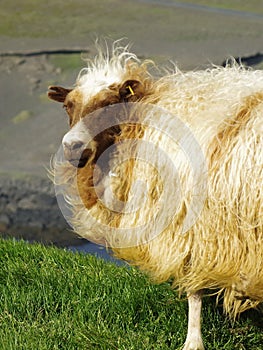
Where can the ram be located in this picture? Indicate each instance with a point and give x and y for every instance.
(195, 140)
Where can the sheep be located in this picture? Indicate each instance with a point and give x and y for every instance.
(201, 221)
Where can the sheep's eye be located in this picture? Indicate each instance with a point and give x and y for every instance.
(68, 106)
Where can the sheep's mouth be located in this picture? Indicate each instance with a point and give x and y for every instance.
(80, 162)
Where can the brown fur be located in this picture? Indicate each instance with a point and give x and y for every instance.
(132, 90)
(58, 93)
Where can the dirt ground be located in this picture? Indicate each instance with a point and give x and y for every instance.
(32, 127)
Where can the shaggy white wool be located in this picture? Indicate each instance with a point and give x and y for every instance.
(106, 69)
(222, 250)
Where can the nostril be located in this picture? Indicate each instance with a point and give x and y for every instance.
(76, 145)
(66, 146)
(73, 146)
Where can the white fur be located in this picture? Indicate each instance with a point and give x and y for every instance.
(104, 71)
(223, 249)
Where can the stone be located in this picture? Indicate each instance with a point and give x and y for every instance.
(4, 222)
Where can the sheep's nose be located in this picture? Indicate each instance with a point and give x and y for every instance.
(76, 152)
(73, 146)
(73, 149)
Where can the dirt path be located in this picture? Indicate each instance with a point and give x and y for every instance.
(204, 8)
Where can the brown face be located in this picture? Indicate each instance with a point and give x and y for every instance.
(76, 151)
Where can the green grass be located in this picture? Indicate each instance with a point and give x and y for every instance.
(22, 117)
(67, 62)
(54, 299)
(36, 18)
(116, 18)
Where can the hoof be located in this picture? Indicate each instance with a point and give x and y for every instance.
(194, 345)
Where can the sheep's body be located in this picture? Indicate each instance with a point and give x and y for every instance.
(223, 249)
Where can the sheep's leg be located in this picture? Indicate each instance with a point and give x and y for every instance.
(194, 337)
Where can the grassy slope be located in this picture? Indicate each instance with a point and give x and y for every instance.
(54, 299)
(35, 18)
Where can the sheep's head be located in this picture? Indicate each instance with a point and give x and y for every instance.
(79, 105)
(95, 123)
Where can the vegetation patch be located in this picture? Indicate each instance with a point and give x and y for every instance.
(55, 299)
(73, 18)
(22, 117)
(67, 62)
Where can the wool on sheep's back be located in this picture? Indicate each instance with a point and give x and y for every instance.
(223, 249)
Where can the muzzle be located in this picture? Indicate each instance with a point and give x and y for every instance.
(76, 150)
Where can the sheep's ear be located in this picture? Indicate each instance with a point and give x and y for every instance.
(58, 93)
(131, 91)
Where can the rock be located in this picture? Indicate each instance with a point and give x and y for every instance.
(29, 210)
(37, 225)
(19, 61)
(4, 222)
(11, 207)
(28, 203)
